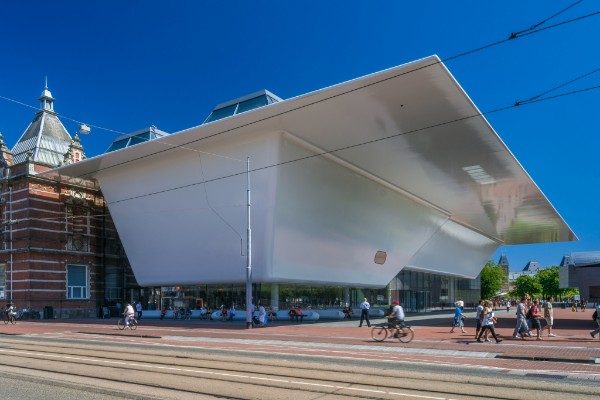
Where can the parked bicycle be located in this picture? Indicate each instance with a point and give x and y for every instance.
(28, 313)
(401, 332)
(133, 324)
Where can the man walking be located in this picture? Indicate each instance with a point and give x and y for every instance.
(364, 313)
(478, 317)
(521, 326)
(549, 316)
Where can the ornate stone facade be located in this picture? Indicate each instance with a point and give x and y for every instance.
(60, 253)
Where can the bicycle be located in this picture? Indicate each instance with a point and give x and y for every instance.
(401, 332)
(133, 324)
(9, 317)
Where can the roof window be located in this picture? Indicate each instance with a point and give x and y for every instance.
(242, 104)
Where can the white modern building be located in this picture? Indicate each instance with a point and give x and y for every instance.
(400, 162)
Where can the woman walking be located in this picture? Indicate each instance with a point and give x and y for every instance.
(488, 323)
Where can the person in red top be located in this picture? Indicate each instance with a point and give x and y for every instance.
(535, 318)
(299, 315)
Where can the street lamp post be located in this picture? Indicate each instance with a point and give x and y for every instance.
(249, 308)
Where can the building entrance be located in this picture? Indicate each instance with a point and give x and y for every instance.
(416, 301)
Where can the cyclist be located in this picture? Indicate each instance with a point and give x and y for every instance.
(396, 318)
(128, 313)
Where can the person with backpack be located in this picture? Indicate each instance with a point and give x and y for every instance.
(595, 318)
(534, 316)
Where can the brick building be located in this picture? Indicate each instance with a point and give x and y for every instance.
(60, 253)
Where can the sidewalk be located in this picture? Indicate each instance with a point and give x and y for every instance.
(573, 343)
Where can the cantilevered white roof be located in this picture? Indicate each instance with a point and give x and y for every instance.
(410, 129)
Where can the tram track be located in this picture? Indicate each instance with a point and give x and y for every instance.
(205, 372)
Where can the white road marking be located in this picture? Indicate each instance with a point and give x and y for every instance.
(204, 372)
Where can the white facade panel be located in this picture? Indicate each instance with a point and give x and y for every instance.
(454, 250)
(330, 222)
(176, 231)
(399, 161)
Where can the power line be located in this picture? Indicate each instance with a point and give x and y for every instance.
(517, 34)
(557, 87)
(337, 95)
(328, 98)
(559, 24)
(352, 146)
(62, 116)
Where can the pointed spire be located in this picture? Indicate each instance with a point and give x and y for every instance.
(46, 98)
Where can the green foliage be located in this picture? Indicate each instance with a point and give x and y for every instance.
(492, 279)
(541, 285)
(527, 284)
(548, 280)
(568, 293)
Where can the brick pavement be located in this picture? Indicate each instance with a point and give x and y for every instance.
(573, 344)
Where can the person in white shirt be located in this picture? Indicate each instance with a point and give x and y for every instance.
(397, 316)
(128, 313)
(364, 313)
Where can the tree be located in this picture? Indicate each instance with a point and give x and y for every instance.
(492, 279)
(548, 279)
(527, 284)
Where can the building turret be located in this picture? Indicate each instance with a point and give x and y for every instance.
(6, 158)
(45, 138)
(75, 152)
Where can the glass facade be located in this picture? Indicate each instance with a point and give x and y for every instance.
(420, 291)
(417, 291)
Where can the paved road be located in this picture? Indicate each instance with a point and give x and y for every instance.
(133, 369)
(572, 358)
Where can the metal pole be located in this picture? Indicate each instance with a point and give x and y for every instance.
(249, 308)
(10, 238)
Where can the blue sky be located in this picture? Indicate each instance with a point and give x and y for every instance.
(128, 65)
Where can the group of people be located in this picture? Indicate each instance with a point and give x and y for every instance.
(529, 317)
(296, 313)
(532, 319)
(178, 313)
(528, 314)
(484, 314)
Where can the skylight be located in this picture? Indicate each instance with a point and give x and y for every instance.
(137, 137)
(242, 104)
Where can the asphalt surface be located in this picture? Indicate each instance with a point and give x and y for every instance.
(572, 353)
